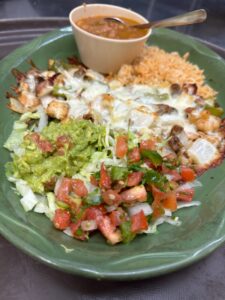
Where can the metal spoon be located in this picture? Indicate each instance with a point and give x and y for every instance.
(195, 16)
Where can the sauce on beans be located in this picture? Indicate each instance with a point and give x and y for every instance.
(111, 29)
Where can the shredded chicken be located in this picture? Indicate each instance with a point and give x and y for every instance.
(57, 109)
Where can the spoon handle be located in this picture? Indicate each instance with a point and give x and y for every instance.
(195, 16)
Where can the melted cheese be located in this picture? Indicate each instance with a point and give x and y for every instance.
(133, 106)
(120, 114)
(78, 108)
(94, 90)
(72, 83)
(140, 120)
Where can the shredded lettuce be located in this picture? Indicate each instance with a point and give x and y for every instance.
(51, 205)
(119, 173)
(152, 228)
(182, 204)
(29, 199)
(132, 140)
(94, 164)
(20, 129)
(42, 205)
(90, 187)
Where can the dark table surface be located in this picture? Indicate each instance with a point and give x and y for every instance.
(212, 30)
(23, 278)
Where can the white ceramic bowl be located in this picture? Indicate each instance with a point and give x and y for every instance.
(101, 54)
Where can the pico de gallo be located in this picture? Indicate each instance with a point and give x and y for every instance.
(94, 179)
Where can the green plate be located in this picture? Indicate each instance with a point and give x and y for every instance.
(203, 227)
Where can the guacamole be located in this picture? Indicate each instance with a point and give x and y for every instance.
(72, 144)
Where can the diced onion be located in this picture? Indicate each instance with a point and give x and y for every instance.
(110, 208)
(29, 200)
(42, 205)
(167, 212)
(68, 231)
(152, 228)
(88, 225)
(169, 177)
(189, 185)
(181, 204)
(57, 185)
(196, 183)
(145, 207)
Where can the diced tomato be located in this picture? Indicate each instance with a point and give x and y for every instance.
(50, 184)
(74, 207)
(134, 178)
(105, 181)
(163, 200)
(139, 222)
(157, 207)
(147, 145)
(61, 219)
(175, 176)
(94, 212)
(170, 201)
(35, 137)
(121, 146)
(64, 190)
(93, 180)
(62, 140)
(74, 227)
(149, 163)
(45, 146)
(158, 210)
(108, 230)
(111, 197)
(134, 155)
(60, 152)
(185, 195)
(105, 225)
(167, 200)
(77, 232)
(187, 174)
(137, 193)
(117, 217)
(79, 188)
(157, 194)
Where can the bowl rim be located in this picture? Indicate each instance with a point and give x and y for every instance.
(110, 40)
(22, 54)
